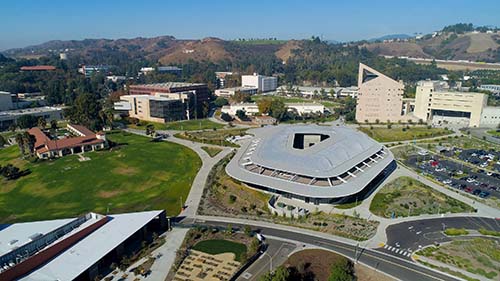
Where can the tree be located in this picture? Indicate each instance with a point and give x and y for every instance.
(2, 141)
(85, 111)
(342, 270)
(150, 129)
(280, 274)
(241, 97)
(278, 109)
(26, 121)
(29, 142)
(20, 143)
(241, 114)
(53, 124)
(42, 123)
(220, 101)
(248, 230)
(264, 105)
(226, 117)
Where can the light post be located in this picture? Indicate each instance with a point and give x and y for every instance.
(107, 208)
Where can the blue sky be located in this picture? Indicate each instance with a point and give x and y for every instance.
(27, 22)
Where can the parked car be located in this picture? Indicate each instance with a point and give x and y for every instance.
(484, 194)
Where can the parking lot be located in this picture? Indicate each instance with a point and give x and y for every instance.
(483, 159)
(457, 175)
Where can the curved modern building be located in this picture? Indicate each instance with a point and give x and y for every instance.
(317, 164)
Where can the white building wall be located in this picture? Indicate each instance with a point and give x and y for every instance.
(490, 117)
(5, 101)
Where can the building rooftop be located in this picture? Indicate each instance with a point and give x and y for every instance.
(38, 67)
(30, 110)
(82, 255)
(167, 85)
(291, 153)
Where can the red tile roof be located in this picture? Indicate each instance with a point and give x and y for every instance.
(38, 67)
(43, 143)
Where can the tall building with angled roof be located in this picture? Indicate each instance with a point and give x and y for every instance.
(380, 97)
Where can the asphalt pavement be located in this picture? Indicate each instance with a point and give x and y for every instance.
(413, 235)
(395, 266)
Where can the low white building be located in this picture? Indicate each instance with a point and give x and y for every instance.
(229, 92)
(307, 91)
(490, 117)
(261, 82)
(248, 108)
(252, 108)
(495, 89)
(348, 92)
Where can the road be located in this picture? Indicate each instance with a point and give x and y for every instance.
(277, 253)
(397, 267)
(412, 235)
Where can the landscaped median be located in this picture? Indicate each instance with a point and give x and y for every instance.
(479, 256)
(134, 175)
(403, 133)
(211, 151)
(213, 254)
(406, 196)
(214, 137)
(224, 196)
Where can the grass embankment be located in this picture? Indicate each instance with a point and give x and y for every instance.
(479, 256)
(394, 134)
(456, 231)
(219, 246)
(188, 125)
(135, 176)
(495, 133)
(215, 137)
(406, 196)
(212, 151)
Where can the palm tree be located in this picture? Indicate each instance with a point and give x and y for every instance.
(42, 123)
(29, 142)
(53, 125)
(20, 143)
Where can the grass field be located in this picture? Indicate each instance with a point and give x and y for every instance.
(405, 197)
(212, 151)
(188, 125)
(479, 256)
(219, 246)
(384, 134)
(135, 176)
(464, 142)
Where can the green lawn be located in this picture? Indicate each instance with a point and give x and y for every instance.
(329, 104)
(406, 196)
(138, 175)
(384, 134)
(188, 125)
(212, 151)
(218, 246)
(215, 137)
(495, 133)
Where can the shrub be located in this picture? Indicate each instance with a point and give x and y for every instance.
(456, 231)
(232, 198)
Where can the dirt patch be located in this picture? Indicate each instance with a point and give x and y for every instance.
(125, 171)
(109, 194)
(317, 263)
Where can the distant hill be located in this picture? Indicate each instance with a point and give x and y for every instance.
(391, 37)
(471, 45)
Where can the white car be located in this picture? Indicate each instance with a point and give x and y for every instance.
(470, 180)
(448, 181)
(460, 172)
(440, 169)
(489, 173)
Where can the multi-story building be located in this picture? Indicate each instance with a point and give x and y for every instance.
(495, 89)
(436, 103)
(49, 113)
(348, 92)
(490, 117)
(194, 96)
(88, 70)
(220, 77)
(261, 82)
(152, 108)
(252, 108)
(229, 92)
(380, 97)
(170, 69)
(5, 101)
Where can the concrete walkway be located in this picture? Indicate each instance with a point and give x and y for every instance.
(481, 132)
(165, 257)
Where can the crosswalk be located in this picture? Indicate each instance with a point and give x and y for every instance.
(406, 253)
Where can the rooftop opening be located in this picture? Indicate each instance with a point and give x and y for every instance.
(303, 141)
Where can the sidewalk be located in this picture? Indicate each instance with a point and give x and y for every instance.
(165, 257)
